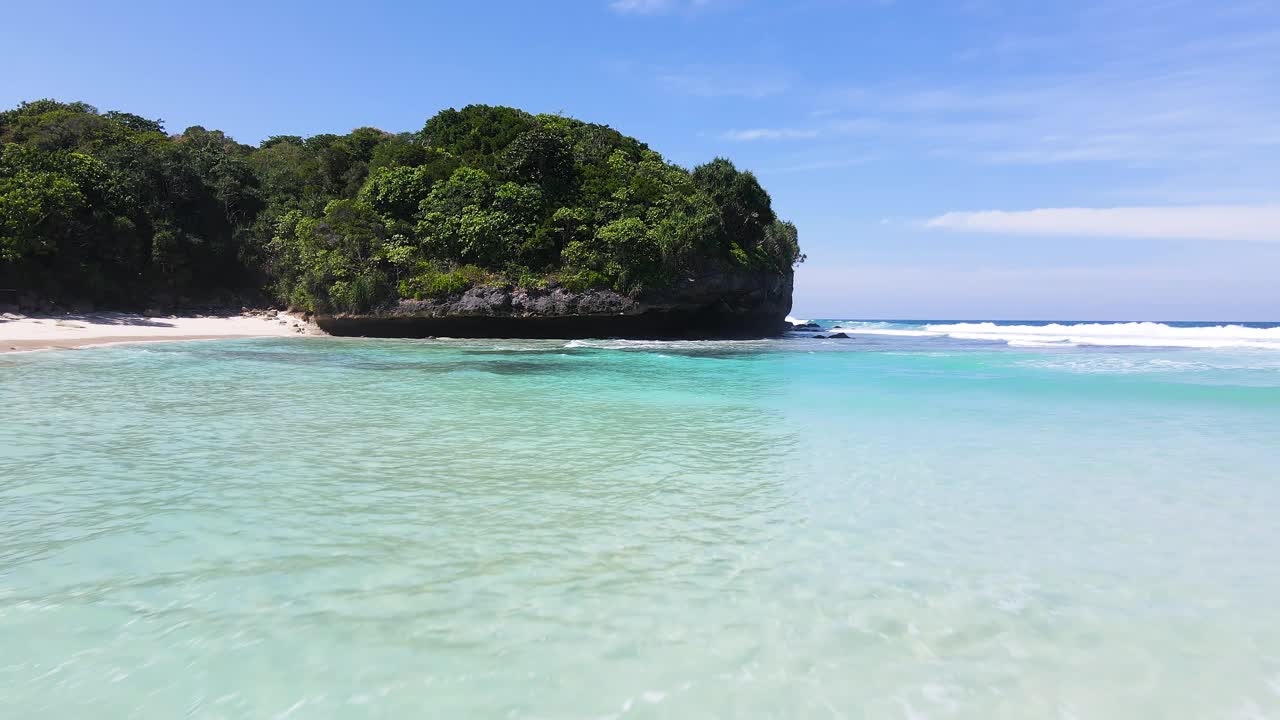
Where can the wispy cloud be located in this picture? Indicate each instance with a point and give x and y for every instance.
(1237, 284)
(1251, 223)
(657, 7)
(1179, 115)
(769, 134)
(752, 82)
(818, 165)
(829, 129)
(1151, 94)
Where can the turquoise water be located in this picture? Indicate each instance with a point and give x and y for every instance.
(895, 526)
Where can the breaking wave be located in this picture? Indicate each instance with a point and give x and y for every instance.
(1130, 334)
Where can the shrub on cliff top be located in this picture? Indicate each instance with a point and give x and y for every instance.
(107, 207)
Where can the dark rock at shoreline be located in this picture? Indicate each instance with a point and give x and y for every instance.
(838, 336)
(807, 327)
(720, 305)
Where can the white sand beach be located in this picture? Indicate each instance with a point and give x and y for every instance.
(19, 333)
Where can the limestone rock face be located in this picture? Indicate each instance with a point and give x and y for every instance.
(720, 305)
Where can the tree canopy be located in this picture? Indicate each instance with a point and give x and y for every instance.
(108, 208)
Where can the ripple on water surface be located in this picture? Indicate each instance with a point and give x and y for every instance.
(550, 529)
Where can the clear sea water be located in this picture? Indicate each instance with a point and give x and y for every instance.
(914, 523)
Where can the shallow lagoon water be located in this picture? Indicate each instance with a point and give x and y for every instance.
(887, 527)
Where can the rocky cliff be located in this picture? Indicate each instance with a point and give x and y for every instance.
(722, 305)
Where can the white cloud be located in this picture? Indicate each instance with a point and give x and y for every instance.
(769, 134)
(1251, 223)
(656, 7)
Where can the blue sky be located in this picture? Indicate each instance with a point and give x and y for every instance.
(966, 159)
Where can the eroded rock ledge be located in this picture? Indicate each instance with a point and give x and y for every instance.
(723, 305)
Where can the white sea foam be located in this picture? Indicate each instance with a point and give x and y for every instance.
(795, 321)
(1132, 334)
(679, 346)
(1041, 343)
(1140, 364)
(880, 329)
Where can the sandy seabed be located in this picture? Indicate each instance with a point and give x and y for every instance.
(20, 333)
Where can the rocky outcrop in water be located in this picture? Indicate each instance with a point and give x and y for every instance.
(721, 305)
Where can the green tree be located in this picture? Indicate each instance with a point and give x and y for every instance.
(330, 262)
(744, 207)
(402, 150)
(397, 191)
(469, 220)
(541, 157)
(108, 207)
(782, 245)
(38, 206)
(476, 134)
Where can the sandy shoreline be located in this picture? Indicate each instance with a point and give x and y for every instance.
(21, 333)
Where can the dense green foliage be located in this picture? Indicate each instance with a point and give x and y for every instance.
(106, 207)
